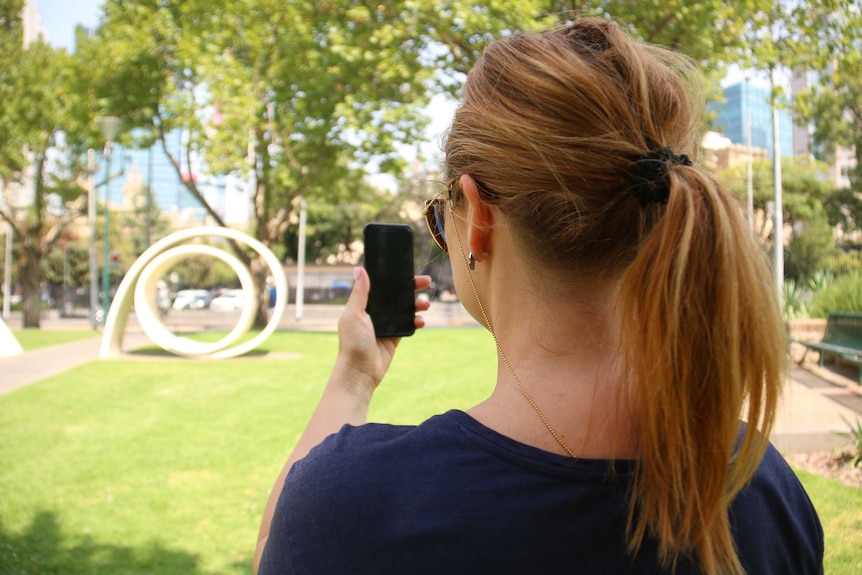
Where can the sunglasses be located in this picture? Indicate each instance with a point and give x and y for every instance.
(434, 218)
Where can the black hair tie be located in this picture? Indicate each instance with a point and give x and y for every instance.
(649, 184)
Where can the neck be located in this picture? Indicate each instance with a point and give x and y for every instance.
(563, 350)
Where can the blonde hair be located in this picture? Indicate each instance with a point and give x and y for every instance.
(551, 127)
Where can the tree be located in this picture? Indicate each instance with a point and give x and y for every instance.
(295, 96)
(11, 45)
(810, 203)
(67, 263)
(35, 110)
(812, 245)
(203, 272)
(709, 31)
(335, 218)
(834, 104)
(287, 94)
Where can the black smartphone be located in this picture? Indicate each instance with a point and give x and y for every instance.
(388, 259)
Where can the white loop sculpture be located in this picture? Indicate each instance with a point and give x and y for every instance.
(140, 284)
(8, 343)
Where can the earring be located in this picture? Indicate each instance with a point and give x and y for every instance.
(471, 261)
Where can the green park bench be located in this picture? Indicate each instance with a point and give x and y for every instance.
(843, 338)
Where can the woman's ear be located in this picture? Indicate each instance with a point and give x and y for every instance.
(480, 219)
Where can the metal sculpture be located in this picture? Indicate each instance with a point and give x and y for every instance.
(140, 284)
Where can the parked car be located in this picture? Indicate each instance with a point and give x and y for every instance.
(192, 299)
(229, 300)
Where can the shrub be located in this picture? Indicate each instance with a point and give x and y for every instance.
(819, 281)
(844, 262)
(794, 300)
(843, 294)
(853, 457)
(809, 248)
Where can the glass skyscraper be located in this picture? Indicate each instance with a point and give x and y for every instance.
(169, 193)
(744, 98)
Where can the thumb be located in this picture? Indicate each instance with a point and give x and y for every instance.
(359, 295)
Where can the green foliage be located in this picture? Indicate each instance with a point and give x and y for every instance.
(803, 188)
(844, 262)
(854, 457)
(336, 216)
(820, 280)
(809, 203)
(203, 272)
(67, 264)
(301, 89)
(36, 108)
(809, 248)
(794, 300)
(843, 294)
(834, 104)
(710, 31)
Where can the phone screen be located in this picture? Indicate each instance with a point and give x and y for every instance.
(388, 259)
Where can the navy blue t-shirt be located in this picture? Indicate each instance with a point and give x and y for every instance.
(452, 496)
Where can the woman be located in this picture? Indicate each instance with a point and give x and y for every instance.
(634, 320)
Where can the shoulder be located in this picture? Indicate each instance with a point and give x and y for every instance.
(361, 468)
(775, 525)
(358, 488)
(357, 451)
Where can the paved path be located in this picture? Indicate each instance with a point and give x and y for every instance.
(811, 410)
(810, 415)
(38, 364)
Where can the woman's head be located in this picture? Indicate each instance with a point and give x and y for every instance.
(582, 138)
(550, 127)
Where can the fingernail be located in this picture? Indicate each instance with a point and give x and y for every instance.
(356, 273)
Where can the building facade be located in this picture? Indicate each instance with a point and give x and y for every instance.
(32, 24)
(153, 167)
(228, 196)
(746, 103)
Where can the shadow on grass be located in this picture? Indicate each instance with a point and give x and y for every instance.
(154, 351)
(44, 549)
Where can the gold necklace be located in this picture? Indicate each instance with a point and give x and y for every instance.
(497, 342)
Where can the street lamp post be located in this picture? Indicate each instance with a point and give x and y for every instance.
(109, 126)
(776, 169)
(300, 267)
(91, 252)
(7, 273)
(749, 173)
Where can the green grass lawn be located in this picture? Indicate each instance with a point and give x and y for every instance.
(840, 510)
(162, 466)
(155, 465)
(33, 338)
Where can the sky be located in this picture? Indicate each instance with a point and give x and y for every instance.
(59, 18)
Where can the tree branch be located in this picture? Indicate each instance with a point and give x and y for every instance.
(188, 183)
(75, 209)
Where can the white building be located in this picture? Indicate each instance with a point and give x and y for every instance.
(32, 22)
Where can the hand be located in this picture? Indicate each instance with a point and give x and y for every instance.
(362, 358)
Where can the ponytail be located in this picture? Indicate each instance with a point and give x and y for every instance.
(703, 339)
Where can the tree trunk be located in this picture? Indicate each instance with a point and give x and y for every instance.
(259, 271)
(30, 277)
